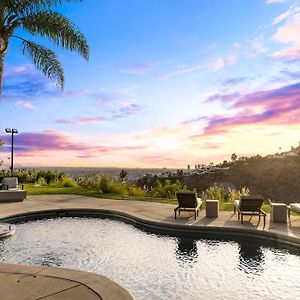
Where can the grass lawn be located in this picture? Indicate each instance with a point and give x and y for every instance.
(53, 190)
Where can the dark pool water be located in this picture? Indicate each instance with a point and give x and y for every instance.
(154, 266)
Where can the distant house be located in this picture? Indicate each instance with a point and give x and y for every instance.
(243, 158)
(291, 153)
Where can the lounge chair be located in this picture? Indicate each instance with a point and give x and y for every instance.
(249, 206)
(295, 207)
(188, 201)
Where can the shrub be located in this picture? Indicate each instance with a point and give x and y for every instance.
(41, 181)
(117, 188)
(105, 183)
(68, 182)
(133, 190)
(167, 190)
(218, 192)
(215, 192)
(88, 182)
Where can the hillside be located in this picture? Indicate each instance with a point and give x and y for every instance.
(277, 179)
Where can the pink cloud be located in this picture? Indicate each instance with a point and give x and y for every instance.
(277, 106)
(288, 34)
(24, 104)
(34, 144)
(80, 121)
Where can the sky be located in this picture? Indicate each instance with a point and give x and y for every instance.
(168, 83)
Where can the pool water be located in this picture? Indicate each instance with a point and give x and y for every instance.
(155, 266)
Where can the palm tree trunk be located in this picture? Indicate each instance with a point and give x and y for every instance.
(1, 70)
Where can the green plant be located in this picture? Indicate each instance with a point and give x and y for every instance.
(41, 181)
(68, 182)
(133, 190)
(117, 188)
(88, 182)
(218, 192)
(166, 190)
(105, 183)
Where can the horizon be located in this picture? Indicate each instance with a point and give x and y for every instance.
(168, 84)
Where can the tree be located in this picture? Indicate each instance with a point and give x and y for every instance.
(234, 157)
(1, 143)
(37, 17)
(123, 175)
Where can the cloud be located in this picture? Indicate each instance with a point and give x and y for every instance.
(80, 120)
(277, 106)
(217, 64)
(235, 81)
(275, 1)
(289, 14)
(255, 47)
(138, 69)
(32, 144)
(25, 104)
(127, 109)
(232, 59)
(288, 34)
(180, 71)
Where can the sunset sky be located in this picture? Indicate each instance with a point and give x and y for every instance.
(168, 83)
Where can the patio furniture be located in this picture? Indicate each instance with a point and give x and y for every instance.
(249, 206)
(278, 212)
(12, 195)
(295, 207)
(188, 201)
(212, 208)
(9, 183)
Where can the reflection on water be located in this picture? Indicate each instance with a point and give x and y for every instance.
(186, 251)
(251, 258)
(156, 266)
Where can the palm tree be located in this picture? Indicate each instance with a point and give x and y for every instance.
(123, 175)
(37, 18)
(233, 157)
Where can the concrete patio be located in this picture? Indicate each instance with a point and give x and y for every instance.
(33, 282)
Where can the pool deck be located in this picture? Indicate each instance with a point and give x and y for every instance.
(37, 282)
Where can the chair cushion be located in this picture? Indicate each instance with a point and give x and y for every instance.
(236, 203)
(295, 207)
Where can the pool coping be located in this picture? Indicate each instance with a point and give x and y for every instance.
(40, 282)
(160, 227)
(154, 217)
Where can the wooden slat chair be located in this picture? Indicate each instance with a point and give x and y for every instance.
(188, 201)
(249, 206)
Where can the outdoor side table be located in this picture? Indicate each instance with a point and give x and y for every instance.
(278, 212)
(212, 208)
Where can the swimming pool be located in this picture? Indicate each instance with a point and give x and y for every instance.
(156, 266)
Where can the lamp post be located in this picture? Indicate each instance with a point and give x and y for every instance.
(12, 131)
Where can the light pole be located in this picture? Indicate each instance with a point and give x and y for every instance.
(12, 131)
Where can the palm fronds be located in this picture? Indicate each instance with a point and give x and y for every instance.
(58, 29)
(45, 60)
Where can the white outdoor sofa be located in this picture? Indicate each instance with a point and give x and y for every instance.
(10, 191)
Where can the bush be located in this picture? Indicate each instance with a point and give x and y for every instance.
(168, 190)
(88, 182)
(117, 188)
(68, 182)
(41, 181)
(105, 184)
(133, 190)
(218, 192)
